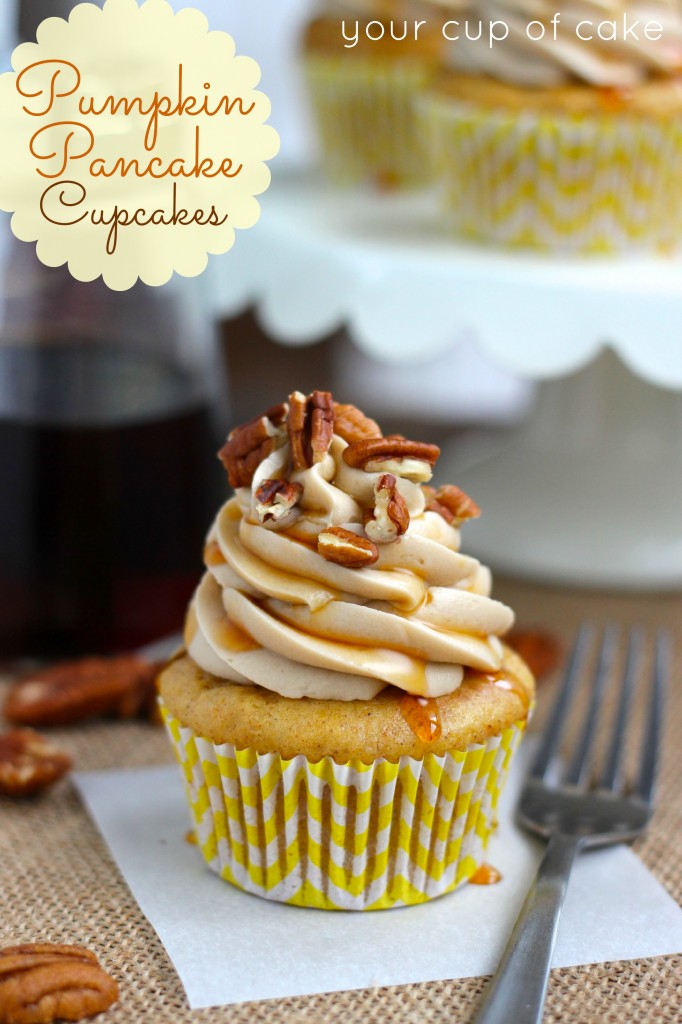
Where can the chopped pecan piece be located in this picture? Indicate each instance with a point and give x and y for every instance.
(250, 443)
(539, 649)
(276, 501)
(453, 504)
(389, 519)
(346, 548)
(123, 686)
(45, 982)
(310, 424)
(351, 424)
(29, 763)
(413, 460)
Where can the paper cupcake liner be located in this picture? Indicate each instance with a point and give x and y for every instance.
(366, 118)
(581, 183)
(342, 837)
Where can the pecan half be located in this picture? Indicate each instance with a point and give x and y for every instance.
(250, 443)
(310, 424)
(124, 686)
(389, 519)
(44, 982)
(275, 502)
(351, 424)
(453, 504)
(29, 763)
(346, 548)
(413, 460)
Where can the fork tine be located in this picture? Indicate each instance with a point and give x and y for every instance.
(652, 732)
(552, 734)
(610, 777)
(580, 762)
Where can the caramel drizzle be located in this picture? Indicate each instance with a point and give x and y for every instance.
(233, 638)
(504, 680)
(485, 874)
(213, 555)
(423, 717)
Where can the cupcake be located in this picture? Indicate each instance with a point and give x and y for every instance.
(364, 70)
(344, 711)
(568, 142)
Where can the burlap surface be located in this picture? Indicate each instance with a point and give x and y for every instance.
(60, 884)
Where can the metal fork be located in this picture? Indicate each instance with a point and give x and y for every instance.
(574, 817)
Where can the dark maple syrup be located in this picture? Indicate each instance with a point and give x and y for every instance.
(108, 481)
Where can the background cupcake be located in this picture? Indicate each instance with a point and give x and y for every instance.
(562, 143)
(345, 713)
(364, 88)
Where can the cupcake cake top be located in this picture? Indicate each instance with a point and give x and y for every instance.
(572, 49)
(335, 570)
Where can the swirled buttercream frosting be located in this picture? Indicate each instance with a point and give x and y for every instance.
(573, 49)
(335, 570)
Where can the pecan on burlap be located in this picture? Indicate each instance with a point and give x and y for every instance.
(45, 982)
(29, 763)
(539, 648)
(72, 691)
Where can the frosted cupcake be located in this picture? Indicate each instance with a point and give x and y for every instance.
(345, 711)
(363, 87)
(571, 143)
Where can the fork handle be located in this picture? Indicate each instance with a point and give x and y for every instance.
(517, 991)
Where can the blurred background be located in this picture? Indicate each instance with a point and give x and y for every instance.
(112, 406)
(483, 390)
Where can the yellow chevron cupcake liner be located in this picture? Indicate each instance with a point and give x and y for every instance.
(584, 183)
(366, 118)
(342, 837)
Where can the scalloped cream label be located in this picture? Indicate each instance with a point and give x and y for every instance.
(133, 142)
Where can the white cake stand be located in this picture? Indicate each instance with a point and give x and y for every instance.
(589, 489)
